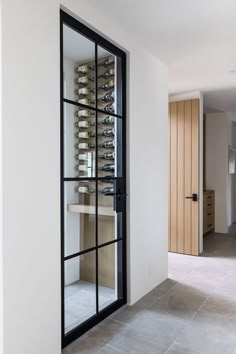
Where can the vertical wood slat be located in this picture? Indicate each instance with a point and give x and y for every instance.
(188, 177)
(169, 181)
(180, 177)
(195, 175)
(173, 177)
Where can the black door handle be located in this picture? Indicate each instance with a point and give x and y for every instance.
(194, 197)
(116, 194)
(119, 200)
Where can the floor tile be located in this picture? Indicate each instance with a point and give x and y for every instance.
(177, 348)
(65, 351)
(230, 281)
(181, 302)
(80, 302)
(210, 333)
(200, 284)
(96, 338)
(131, 341)
(163, 287)
(108, 349)
(129, 314)
(146, 301)
(221, 301)
(158, 329)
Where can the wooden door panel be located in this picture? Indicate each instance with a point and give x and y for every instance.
(195, 175)
(188, 177)
(173, 177)
(180, 178)
(183, 176)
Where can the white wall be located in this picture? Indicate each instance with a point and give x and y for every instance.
(234, 177)
(231, 177)
(1, 234)
(31, 170)
(217, 176)
(31, 163)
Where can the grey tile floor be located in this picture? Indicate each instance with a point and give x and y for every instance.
(80, 301)
(192, 312)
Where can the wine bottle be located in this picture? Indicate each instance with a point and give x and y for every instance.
(107, 74)
(107, 156)
(106, 191)
(83, 80)
(109, 108)
(109, 61)
(107, 86)
(82, 168)
(107, 132)
(109, 120)
(109, 97)
(86, 101)
(84, 135)
(83, 69)
(105, 144)
(83, 124)
(84, 190)
(84, 91)
(82, 146)
(84, 113)
(82, 157)
(107, 167)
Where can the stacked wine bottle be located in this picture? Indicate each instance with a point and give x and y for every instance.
(85, 123)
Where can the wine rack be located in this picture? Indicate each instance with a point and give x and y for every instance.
(85, 157)
(85, 122)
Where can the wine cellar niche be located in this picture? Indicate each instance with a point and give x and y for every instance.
(93, 178)
(85, 160)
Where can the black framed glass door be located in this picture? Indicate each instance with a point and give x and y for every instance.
(93, 178)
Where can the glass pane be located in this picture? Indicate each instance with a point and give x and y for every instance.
(78, 67)
(109, 274)
(110, 163)
(109, 81)
(79, 142)
(79, 216)
(80, 290)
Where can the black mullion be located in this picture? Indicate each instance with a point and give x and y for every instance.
(124, 221)
(62, 184)
(74, 179)
(110, 242)
(80, 253)
(96, 173)
(105, 179)
(90, 108)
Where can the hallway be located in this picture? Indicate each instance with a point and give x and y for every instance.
(194, 311)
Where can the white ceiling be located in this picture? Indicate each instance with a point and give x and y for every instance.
(220, 100)
(196, 38)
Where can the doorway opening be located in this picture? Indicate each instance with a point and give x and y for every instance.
(219, 167)
(214, 194)
(93, 178)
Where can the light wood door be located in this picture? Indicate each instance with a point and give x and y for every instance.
(184, 177)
